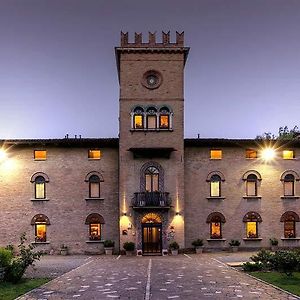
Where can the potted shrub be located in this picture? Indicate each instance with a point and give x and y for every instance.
(174, 248)
(63, 249)
(129, 247)
(198, 244)
(274, 244)
(234, 245)
(109, 247)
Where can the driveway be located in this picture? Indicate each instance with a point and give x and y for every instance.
(185, 277)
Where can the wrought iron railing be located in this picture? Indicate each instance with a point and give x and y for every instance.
(151, 199)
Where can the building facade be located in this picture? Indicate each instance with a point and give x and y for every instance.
(150, 186)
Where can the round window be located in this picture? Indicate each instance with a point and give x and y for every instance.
(152, 79)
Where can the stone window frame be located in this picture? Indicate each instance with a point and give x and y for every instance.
(34, 178)
(209, 180)
(289, 216)
(283, 179)
(245, 178)
(88, 180)
(143, 175)
(252, 216)
(37, 220)
(215, 217)
(95, 218)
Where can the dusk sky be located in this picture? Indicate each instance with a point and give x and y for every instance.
(58, 73)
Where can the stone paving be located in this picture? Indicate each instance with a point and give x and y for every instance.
(157, 278)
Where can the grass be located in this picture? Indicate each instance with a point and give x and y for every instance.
(287, 283)
(10, 291)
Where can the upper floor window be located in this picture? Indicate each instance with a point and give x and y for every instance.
(215, 220)
(251, 219)
(95, 223)
(40, 223)
(288, 154)
(164, 118)
(215, 179)
(215, 154)
(138, 118)
(39, 179)
(40, 154)
(151, 118)
(152, 179)
(251, 153)
(94, 154)
(252, 179)
(94, 178)
(289, 179)
(289, 219)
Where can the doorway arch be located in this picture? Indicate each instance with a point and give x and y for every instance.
(152, 234)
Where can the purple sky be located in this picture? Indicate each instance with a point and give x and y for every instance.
(58, 72)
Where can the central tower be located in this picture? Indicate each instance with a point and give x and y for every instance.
(151, 141)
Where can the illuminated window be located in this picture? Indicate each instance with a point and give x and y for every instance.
(164, 118)
(138, 118)
(94, 186)
(152, 179)
(94, 154)
(251, 154)
(40, 154)
(215, 154)
(215, 186)
(289, 185)
(289, 220)
(215, 221)
(251, 219)
(40, 223)
(95, 223)
(251, 185)
(40, 187)
(287, 154)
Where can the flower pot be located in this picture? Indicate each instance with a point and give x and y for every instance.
(199, 250)
(129, 253)
(234, 248)
(174, 251)
(64, 252)
(109, 250)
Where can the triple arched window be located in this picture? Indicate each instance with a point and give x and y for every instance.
(151, 118)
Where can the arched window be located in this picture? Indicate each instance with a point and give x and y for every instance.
(152, 179)
(94, 178)
(39, 179)
(289, 220)
(251, 219)
(289, 179)
(95, 223)
(164, 118)
(215, 220)
(151, 118)
(215, 186)
(40, 223)
(138, 118)
(251, 185)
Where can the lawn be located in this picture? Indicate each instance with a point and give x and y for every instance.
(9, 291)
(288, 283)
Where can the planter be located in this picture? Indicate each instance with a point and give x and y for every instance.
(129, 253)
(109, 250)
(174, 251)
(234, 248)
(63, 252)
(199, 250)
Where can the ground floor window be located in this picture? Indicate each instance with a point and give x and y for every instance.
(251, 219)
(289, 220)
(95, 231)
(251, 230)
(215, 220)
(40, 223)
(95, 222)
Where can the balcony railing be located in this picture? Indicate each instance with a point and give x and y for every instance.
(151, 199)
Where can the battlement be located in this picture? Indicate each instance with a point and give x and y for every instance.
(138, 40)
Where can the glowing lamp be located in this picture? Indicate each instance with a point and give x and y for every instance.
(268, 154)
(3, 154)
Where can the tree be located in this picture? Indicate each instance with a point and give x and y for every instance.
(284, 133)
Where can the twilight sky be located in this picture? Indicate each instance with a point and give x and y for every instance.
(58, 72)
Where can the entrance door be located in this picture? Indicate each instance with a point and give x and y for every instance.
(151, 234)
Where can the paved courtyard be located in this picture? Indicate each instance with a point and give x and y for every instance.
(203, 276)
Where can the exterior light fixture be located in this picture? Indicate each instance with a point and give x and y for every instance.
(177, 213)
(268, 154)
(124, 214)
(3, 155)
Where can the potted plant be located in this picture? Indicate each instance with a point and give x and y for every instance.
(63, 249)
(109, 247)
(129, 247)
(234, 245)
(274, 244)
(198, 244)
(174, 248)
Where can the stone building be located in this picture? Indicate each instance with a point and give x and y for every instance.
(150, 186)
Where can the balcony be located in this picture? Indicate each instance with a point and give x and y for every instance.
(151, 200)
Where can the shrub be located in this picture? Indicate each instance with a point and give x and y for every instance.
(273, 241)
(234, 243)
(109, 243)
(174, 246)
(286, 262)
(197, 243)
(5, 257)
(20, 263)
(129, 246)
(265, 258)
(252, 267)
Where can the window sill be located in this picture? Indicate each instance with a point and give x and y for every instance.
(215, 159)
(41, 159)
(40, 243)
(251, 197)
(90, 159)
(95, 242)
(151, 130)
(289, 197)
(217, 198)
(216, 240)
(97, 199)
(252, 239)
(290, 239)
(41, 199)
